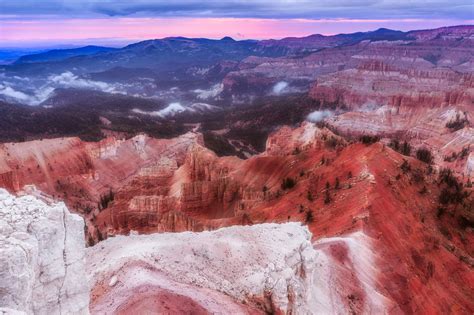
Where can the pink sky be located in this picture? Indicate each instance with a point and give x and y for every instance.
(25, 32)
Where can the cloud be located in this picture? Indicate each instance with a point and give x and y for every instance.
(20, 90)
(21, 97)
(70, 80)
(170, 110)
(319, 115)
(10, 92)
(176, 108)
(280, 87)
(214, 91)
(429, 9)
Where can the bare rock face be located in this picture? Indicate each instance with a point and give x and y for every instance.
(377, 83)
(241, 269)
(352, 256)
(470, 165)
(415, 122)
(42, 257)
(287, 140)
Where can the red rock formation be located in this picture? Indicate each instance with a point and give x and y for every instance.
(420, 263)
(378, 83)
(399, 224)
(427, 68)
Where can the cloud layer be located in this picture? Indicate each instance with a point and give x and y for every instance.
(355, 9)
(70, 80)
(23, 91)
(15, 95)
(319, 115)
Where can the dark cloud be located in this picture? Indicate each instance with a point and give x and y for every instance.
(316, 9)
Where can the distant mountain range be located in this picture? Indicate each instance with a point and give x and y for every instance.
(172, 68)
(173, 52)
(61, 54)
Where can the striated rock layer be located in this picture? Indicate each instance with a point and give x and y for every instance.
(42, 257)
(377, 83)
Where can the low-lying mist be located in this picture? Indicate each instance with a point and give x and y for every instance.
(319, 115)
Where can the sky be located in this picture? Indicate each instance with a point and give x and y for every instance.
(37, 23)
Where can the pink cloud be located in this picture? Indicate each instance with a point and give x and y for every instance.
(18, 31)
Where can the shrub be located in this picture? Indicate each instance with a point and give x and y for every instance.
(327, 197)
(417, 176)
(336, 185)
(447, 177)
(424, 155)
(332, 142)
(395, 144)
(464, 152)
(405, 149)
(405, 166)
(453, 191)
(368, 139)
(309, 216)
(440, 211)
(445, 232)
(309, 196)
(445, 196)
(87, 209)
(288, 183)
(430, 170)
(459, 155)
(457, 123)
(423, 190)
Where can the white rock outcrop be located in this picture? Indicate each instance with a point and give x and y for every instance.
(42, 258)
(266, 267)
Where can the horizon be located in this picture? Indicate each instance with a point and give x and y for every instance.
(123, 42)
(54, 23)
